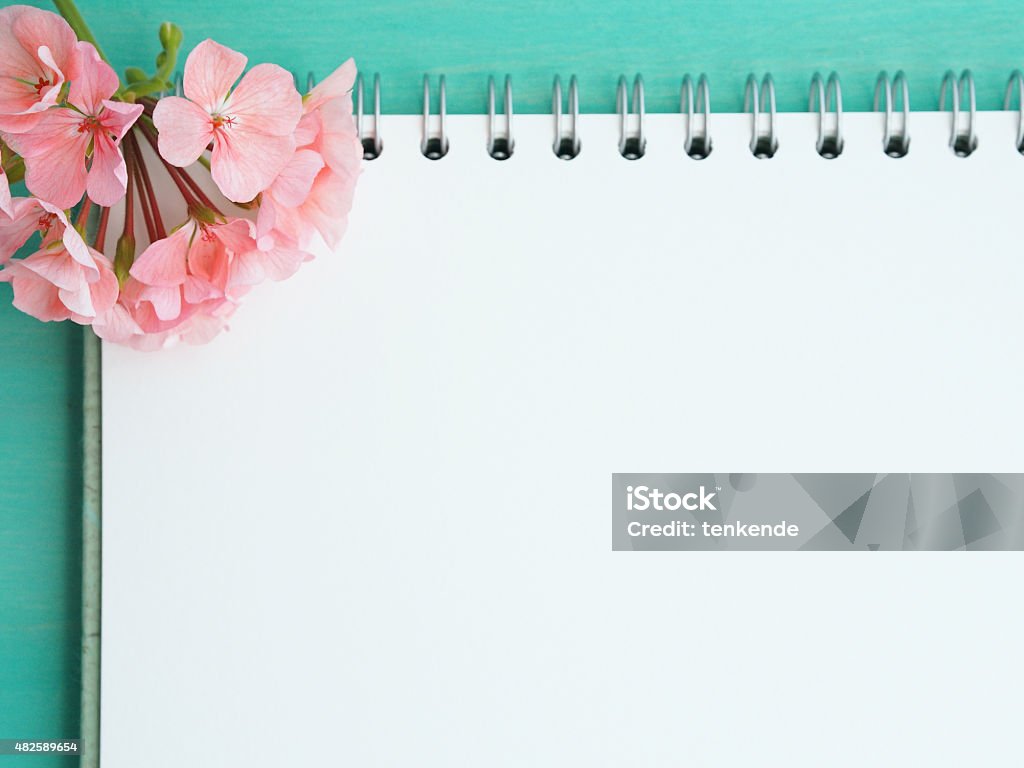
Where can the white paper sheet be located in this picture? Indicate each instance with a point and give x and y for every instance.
(370, 526)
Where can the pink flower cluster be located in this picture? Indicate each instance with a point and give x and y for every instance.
(283, 169)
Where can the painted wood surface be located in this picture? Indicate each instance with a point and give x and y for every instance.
(40, 413)
(598, 40)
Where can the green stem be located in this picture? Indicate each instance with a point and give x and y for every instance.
(73, 17)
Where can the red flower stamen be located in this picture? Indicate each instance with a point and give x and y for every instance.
(89, 124)
(220, 121)
(45, 222)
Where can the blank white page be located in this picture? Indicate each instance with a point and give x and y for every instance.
(370, 526)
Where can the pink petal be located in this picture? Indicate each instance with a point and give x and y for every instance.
(292, 185)
(27, 213)
(57, 267)
(108, 176)
(35, 296)
(5, 195)
(96, 81)
(247, 269)
(14, 233)
(266, 217)
(118, 117)
(105, 289)
(185, 130)
(163, 262)
(203, 328)
(166, 302)
(116, 325)
(281, 262)
(15, 124)
(51, 95)
(34, 44)
(244, 164)
(208, 261)
(73, 242)
(338, 83)
(18, 226)
(150, 342)
(210, 71)
(78, 300)
(16, 61)
(54, 126)
(266, 101)
(54, 154)
(327, 206)
(35, 29)
(308, 129)
(197, 290)
(236, 235)
(339, 142)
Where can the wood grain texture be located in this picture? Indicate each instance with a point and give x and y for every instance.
(40, 528)
(532, 40)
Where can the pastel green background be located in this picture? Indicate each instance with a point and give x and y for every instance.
(40, 433)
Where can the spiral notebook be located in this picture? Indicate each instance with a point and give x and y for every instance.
(370, 526)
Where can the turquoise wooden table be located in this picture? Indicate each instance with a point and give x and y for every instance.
(40, 389)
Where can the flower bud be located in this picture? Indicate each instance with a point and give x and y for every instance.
(171, 36)
(124, 257)
(135, 75)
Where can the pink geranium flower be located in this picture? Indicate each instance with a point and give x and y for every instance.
(275, 254)
(37, 55)
(251, 128)
(51, 286)
(189, 267)
(72, 151)
(134, 322)
(22, 217)
(64, 279)
(289, 163)
(314, 193)
(179, 288)
(117, 325)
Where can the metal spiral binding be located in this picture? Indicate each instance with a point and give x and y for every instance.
(698, 136)
(434, 146)
(632, 145)
(500, 145)
(823, 96)
(567, 145)
(895, 139)
(962, 141)
(371, 140)
(1016, 80)
(891, 96)
(762, 144)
